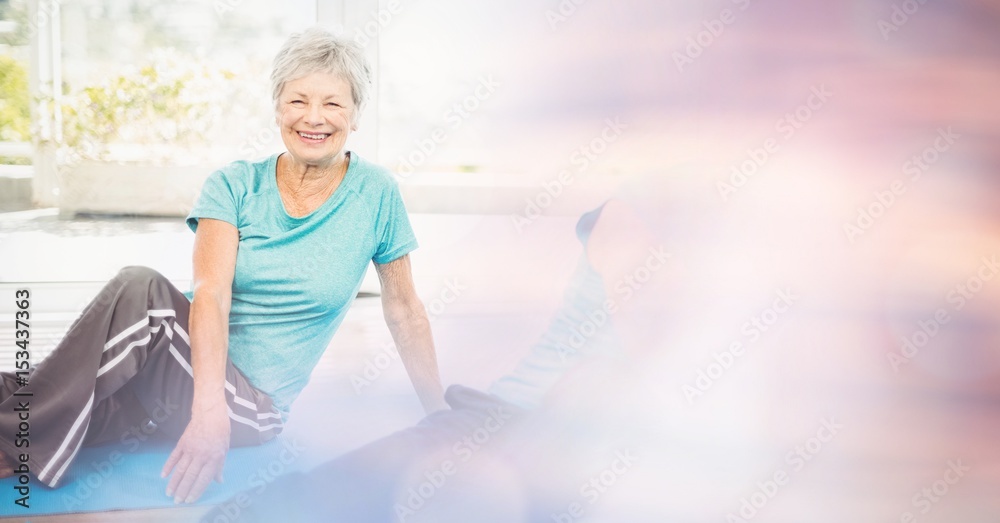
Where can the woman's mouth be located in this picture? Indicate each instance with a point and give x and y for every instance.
(313, 137)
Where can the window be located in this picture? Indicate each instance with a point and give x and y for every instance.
(183, 81)
(15, 117)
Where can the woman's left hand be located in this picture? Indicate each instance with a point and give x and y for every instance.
(411, 330)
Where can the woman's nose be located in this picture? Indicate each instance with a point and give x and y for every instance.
(314, 116)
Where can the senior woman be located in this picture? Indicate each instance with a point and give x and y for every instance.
(281, 247)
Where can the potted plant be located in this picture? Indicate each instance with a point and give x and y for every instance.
(143, 140)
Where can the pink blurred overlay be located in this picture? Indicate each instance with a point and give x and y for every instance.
(844, 154)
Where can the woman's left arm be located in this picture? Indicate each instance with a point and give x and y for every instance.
(411, 331)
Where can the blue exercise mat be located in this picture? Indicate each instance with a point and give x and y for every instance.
(127, 476)
(116, 476)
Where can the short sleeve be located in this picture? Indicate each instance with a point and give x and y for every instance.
(393, 230)
(218, 200)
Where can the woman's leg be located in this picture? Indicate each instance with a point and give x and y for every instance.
(400, 477)
(124, 361)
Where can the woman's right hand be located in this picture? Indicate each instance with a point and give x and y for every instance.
(199, 456)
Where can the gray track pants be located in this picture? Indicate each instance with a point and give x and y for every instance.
(125, 362)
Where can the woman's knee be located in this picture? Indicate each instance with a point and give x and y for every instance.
(138, 279)
(139, 274)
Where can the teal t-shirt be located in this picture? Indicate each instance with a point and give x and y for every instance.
(296, 277)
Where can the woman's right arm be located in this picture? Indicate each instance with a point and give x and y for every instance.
(200, 453)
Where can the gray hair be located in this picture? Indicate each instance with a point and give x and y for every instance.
(316, 50)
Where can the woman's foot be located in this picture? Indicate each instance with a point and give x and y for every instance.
(6, 469)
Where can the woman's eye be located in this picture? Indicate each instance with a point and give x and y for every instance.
(331, 104)
(297, 102)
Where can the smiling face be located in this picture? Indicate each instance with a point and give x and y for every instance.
(315, 114)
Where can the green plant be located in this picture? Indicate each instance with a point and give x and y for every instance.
(169, 104)
(15, 109)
